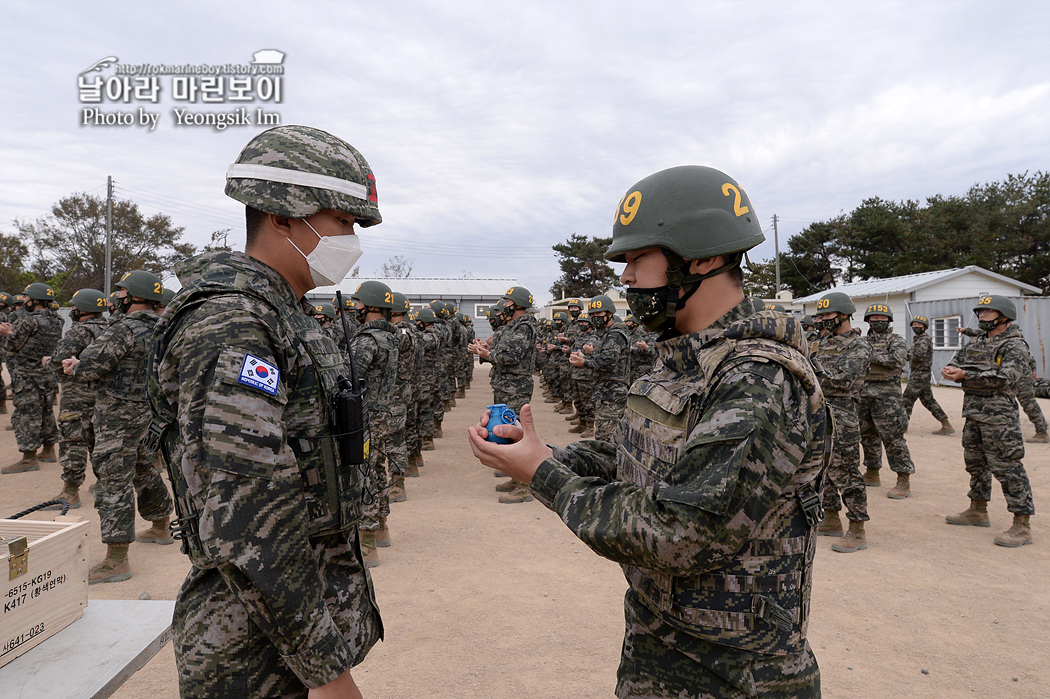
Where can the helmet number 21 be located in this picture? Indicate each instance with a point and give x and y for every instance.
(738, 209)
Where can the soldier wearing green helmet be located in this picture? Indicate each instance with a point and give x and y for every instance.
(410, 374)
(429, 402)
(32, 336)
(988, 368)
(5, 310)
(733, 395)
(285, 559)
(920, 374)
(323, 313)
(76, 403)
(607, 353)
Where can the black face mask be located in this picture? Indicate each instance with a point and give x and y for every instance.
(574, 313)
(880, 326)
(652, 307)
(831, 324)
(599, 322)
(124, 304)
(987, 325)
(918, 331)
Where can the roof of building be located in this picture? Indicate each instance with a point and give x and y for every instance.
(427, 287)
(913, 282)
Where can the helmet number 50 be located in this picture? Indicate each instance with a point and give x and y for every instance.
(629, 207)
(738, 209)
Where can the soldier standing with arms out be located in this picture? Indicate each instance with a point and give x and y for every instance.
(883, 419)
(609, 356)
(920, 360)
(708, 502)
(76, 404)
(32, 337)
(988, 368)
(841, 358)
(513, 357)
(116, 363)
(277, 600)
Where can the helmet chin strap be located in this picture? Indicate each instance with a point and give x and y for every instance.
(679, 278)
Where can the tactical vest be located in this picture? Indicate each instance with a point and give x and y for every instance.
(525, 328)
(981, 355)
(380, 378)
(40, 344)
(880, 343)
(620, 372)
(127, 381)
(332, 490)
(760, 601)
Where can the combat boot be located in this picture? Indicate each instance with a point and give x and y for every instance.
(946, 427)
(48, 453)
(368, 548)
(548, 398)
(564, 409)
(438, 433)
(588, 428)
(397, 492)
(382, 534)
(871, 478)
(506, 486)
(452, 402)
(114, 568)
(579, 428)
(28, 462)
(428, 444)
(447, 406)
(461, 392)
(159, 533)
(832, 524)
(71, 494)
(853, 541)
(413, 466)
(902, 489)
(572, 418)
(519, 493)
(1017, 535)
(3, 404)
(974, 516)
(1039, 438)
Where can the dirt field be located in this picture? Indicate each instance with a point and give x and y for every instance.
(498, 601)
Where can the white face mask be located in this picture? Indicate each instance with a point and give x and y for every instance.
(332, 258)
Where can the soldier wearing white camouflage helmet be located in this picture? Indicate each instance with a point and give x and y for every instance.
(708, 499)
(244, 385)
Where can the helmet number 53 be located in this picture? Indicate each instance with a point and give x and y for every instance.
(738, 209)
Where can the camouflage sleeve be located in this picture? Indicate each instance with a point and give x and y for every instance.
(847, 373)
(104, 354)
(972, 332)
(363, 349)
(514, 346)
(739, 457)
(921, 354)
(252, 518)
(21, 332)
(71, 345)
(589, 458)
(608, 353)
(892, 354)
(1013, 362)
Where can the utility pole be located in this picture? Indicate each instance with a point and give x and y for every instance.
(109, 234)
(776, 252)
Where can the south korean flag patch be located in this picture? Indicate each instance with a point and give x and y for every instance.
(259, 374)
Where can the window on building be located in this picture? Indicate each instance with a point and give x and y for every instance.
(480, 308)
(945, 332)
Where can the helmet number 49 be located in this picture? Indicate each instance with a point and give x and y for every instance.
(629, 207)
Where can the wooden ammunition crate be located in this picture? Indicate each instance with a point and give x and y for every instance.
(45, 588)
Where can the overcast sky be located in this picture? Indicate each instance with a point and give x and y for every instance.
(498, 129)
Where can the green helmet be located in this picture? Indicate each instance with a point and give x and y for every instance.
(348, 303)
(296, 171)
(401, 304)
(374, 294)
(168, 295)
(142, 284)
(440, 308)
(773, 307)
(38, 291)
(5, 298)
(520, 296)
(836, 302)
(599, 303)
(878, 309)
(574, 302)
(922, 320)
(995, 302)
(426, 315)
(324, 309)
(89, 301)
(694, 211)
(584, 318)
(808, 320)
(561, 315)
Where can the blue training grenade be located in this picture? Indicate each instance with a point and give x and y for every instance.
(499, 415)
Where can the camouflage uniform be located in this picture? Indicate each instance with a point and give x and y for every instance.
(709, 505)
(513, 358)
(842, 362)
(33, 337)
(641, 360)
(428, 401)
(374, 352)
(116, 362)
(610, 360)
(583, 380)
(880, 410)
(1024, 389)
(76, 403)
(278, 598)
(992, 441)
(413, 390)
(920, 360)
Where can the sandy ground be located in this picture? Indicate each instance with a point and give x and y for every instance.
(497, 601)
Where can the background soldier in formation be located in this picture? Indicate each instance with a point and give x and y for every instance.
(410, 353)
(429, 406)
(76, 405)
(582, 380)
(608, 355)
(883, 419)
(116, 360)
(988, 368)
(920, 361)
(841, 358)
(5, 310)
(712, 484)
(643, 354)
(32, 336)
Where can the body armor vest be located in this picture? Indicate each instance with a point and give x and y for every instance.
(620, 372)
(880, 343)
(760, 601)
(127, 381)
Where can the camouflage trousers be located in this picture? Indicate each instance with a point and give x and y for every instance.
(663, 662)
(920, 389)
(583, 398)
(33, 419)
(991, 449)
(512, 389)
(438, 401)
(413, 439)
(425, 414)
(610, 400)
(1026, 397)
(842, 480)
(883, 420)
(76, 407)
(389, 459)
(126, 471)
(221, 652)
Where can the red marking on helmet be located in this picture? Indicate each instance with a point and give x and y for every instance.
(373, 193)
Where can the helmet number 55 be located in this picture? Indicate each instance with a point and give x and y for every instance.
(738, 199)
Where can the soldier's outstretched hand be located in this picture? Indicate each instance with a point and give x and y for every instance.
(522, 457)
